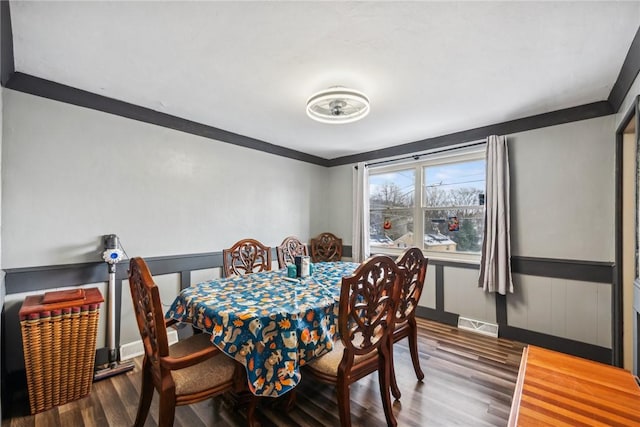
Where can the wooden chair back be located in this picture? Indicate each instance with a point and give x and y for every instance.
(246, 256)
(149, 316)
(290, 248)
(415, 264)
(326, 247)
(368, 302)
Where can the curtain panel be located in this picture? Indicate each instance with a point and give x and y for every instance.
(360, 242)
(495, 264)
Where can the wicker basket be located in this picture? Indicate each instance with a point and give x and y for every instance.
(59, 343)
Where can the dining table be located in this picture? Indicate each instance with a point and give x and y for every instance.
(270, 323)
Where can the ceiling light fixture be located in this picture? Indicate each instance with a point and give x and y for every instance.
(338, 105)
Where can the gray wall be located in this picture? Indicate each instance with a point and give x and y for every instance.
(71, 175)
(341, 198)
(563, 202)
(563, 199)
(563, 194)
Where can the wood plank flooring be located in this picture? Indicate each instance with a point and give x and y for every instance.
(469, 381)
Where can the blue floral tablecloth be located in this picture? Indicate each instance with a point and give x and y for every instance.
(269, 324)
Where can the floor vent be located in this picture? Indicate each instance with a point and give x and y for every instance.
(478, 326)
(135, 349)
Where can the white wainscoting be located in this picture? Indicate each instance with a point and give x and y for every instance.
(564, 308)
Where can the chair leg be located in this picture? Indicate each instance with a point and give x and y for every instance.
(290, 400)
(146, 395)
(384, 378)
(251, 411)
(344, 402)
(395, 390)
(167, 409)
(413, 348)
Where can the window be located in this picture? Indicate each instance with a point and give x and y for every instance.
(436, 204)
(392, 207)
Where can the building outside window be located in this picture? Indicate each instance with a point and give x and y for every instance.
(436, 204)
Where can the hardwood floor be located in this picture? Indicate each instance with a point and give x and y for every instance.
(469, 381)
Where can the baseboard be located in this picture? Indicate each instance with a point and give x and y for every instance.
(563, 345)
(437, 315)
(136, 348)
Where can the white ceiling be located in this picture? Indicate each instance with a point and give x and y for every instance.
(429, 68)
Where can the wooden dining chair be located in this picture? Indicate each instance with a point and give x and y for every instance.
(246, 256)
(187, 372)
(368, 303)
(326, 247)
(415, 265)
(290, 248)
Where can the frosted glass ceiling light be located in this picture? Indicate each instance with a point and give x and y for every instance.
(338, 105)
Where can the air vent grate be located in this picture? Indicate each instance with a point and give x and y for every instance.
(478, 326)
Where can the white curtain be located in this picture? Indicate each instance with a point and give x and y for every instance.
(495, 265)
(360, 241)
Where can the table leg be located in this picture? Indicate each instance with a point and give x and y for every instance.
(242, 397)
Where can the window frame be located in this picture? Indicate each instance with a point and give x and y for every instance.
(477, 152)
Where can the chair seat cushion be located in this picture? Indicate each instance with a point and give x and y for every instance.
(328, 364)
(217, 370)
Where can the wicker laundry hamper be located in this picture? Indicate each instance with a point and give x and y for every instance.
(59, 343)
